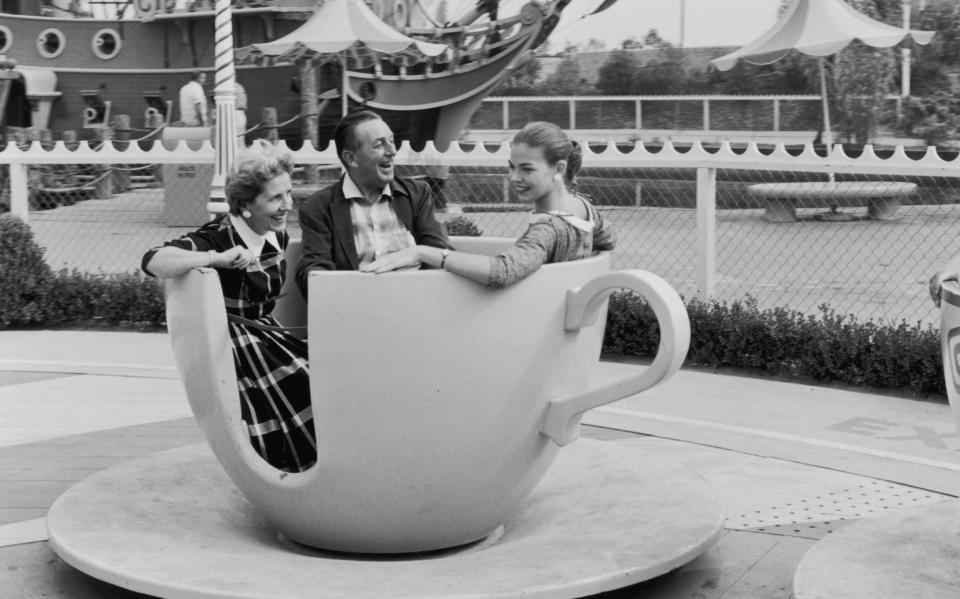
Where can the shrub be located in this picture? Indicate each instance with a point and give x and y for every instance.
(935, 118)
(127, 299)
(827, 347)
(24, 276)
(30, 293)
(461, 226)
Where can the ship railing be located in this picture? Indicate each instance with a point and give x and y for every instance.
(467, 31)
(472, 43)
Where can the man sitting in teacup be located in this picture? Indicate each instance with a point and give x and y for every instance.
(370, 212)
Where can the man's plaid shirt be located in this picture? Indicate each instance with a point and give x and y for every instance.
(376, 229)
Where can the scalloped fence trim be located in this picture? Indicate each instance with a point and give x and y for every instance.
(752, 156)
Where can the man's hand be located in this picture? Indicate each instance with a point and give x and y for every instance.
(404, 259)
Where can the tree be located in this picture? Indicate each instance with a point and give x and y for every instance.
(615, 77)
(595, 45)
(662, 75)
(566, 80)
(522, 81)
(860, 77)
(653, 40)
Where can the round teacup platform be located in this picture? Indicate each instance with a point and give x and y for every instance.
(910, 552)
(173, 525)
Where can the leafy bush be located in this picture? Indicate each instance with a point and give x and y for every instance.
(127, 299)
(935, 118)
(827, 347)
(30, 293)
(461, 226)
(24, 276)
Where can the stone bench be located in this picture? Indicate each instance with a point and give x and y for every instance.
(882, 198)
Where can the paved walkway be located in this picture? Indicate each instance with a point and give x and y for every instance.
(791, 462)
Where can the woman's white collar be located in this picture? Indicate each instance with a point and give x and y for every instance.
(253, 240)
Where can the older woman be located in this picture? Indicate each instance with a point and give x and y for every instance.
(564, 225)
(246, 247)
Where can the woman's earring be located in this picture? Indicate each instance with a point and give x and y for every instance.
(246, 214)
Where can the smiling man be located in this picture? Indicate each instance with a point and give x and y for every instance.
(369, 213)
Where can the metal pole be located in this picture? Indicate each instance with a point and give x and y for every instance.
(706, 232)
(683, 20)
(905, 65)
(225, 128)
(19, 191)
(344, 98)
(827, 131)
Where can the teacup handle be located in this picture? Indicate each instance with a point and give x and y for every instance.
(562, 419)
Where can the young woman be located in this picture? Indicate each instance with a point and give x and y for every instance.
(563, 225)
(246, 247)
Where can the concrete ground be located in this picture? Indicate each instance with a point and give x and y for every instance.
(791, 462)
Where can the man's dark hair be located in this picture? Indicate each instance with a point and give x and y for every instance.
(343, 137)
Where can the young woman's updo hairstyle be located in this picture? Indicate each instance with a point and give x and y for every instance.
(556, 147)
(252, 168)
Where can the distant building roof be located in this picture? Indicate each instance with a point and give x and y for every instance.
(692, 59)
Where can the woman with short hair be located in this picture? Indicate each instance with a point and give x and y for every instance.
(246, 247)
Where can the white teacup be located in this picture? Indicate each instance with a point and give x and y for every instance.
(439, 403)
(950, 344)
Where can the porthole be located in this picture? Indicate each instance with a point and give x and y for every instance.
(106, 44)
(50, 43)
(6, 38)
(368, 91)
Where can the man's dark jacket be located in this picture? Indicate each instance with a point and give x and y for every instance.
(328, 228)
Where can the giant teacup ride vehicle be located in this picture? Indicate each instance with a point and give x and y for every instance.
(906, 552)
(441, 407)
(76, 72)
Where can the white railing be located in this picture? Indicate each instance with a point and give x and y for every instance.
(639, 132)
(705, 102)
(706, 161)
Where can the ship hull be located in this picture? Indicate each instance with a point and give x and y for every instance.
(155, 58)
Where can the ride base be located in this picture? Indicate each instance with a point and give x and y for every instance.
(173, 525)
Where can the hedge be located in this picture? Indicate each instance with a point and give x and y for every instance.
(32, 294)
(827, 347)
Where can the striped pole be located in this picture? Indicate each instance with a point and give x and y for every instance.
(225, 134)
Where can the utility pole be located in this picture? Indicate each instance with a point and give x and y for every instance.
(683, 21)
(905, 67)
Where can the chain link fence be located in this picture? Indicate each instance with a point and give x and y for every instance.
(101, 218)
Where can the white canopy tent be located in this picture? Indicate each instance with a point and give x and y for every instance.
(345, 31)
(819, 28)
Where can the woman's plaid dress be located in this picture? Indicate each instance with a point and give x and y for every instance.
(271, 365)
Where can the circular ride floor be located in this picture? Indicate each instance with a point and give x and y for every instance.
(909, 552)
(173, 525)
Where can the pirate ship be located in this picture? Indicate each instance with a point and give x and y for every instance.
(68, 68)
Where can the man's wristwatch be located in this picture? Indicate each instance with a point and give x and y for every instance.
(443, 256)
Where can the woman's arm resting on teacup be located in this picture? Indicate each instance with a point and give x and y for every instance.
(172, 261)
(471, 266)
(950, 272)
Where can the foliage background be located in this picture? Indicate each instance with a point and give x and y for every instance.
(859, 79)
